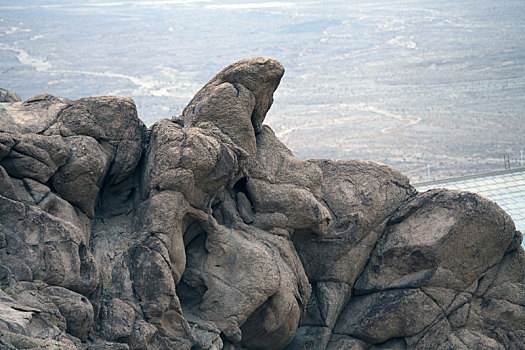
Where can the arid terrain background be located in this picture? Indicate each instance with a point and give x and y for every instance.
(413, 84)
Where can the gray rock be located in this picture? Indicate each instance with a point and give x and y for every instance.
(6, 143)
(163, 215)
(60, 208)
(503, 319)
(326, 303)
(475, 340)
(159, 301)
(76, 309)
(207, 336)
(441, 238)
(196, 162)
(393, 344)
(277, 164)
(53, 248)
(79, 180)
(200, 165)
(303, 212)
(6, 277)
(106, 345)
(361, 197)
(32, 116)
(14, 340)
(117, 319)
(275, 189)
(205, 232)
(229, 107)
(25, 327)
(244, 206)
(511, 269)
(275, 286)
(36, 189)
(114, 123)
(378, 317)
(7, 188)
(20, 271)
(36, 157)
(311, 337)
(338, 341)
(8, 96)
(237, 99)
(47, 308)
(142, 335)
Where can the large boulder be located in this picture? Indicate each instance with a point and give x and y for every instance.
(35, 156)
(55, 251)
(54, 172)
(112, 122)
(360, 196)
(237, 99)
(76, 309)
(441, 239)
(285, 192)
(32, 116)
(80, 179)
(206, 232)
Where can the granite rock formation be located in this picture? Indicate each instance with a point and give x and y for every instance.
(205, 232)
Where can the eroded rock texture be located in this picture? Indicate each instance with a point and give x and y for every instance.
(205, 232)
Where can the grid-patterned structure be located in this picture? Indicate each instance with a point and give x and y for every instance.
(507, 188)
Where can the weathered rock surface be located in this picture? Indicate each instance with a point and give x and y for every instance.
(205, 232)
(8, 96)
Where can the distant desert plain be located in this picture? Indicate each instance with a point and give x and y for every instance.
(433, 88)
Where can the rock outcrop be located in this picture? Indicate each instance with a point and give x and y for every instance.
(205, 232)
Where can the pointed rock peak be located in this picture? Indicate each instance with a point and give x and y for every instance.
(257, 77)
